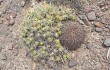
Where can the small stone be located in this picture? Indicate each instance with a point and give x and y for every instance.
(84, 19)
(103, 20)
(107, 42)
(1, 13)
(98, 19)
(3, 56)
(89, 46)
(15, 52)
(1, 21)
(10, 46)
(72, 63)
(6, 16)
(23, 3)
(13, 15)
(58, 68)
(91, 16)
(4, 9)
(98, 24)
(108, 26)
(106, 29)
(12, 21)
(80, 21)
(88, 9)
(1, 47)
(97, 29)
(73, 54)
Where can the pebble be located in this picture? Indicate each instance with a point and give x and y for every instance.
(91, 16)
(98, 24)
(98, 19)
(3, 56)
(11, 22)
(13, 15)
(1, 13)
(108, 26)
(1, 21)
(88, 9)
(6, 16)
(80, 21)
(84, 19)
(106, 29)
(58, 68)
(72, 63)
(107, 42)
(10, 46)
(103, 20)
(89, 46)
(23, 3)
(73, 54)
(4, 10)
(97, 29)
(1, 47)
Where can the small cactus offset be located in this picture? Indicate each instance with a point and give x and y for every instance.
(41, 31)
(73, 35)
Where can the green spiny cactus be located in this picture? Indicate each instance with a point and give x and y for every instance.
(41, 30)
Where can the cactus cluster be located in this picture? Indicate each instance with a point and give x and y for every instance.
(41, 30)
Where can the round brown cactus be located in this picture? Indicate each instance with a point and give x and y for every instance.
(72, 35)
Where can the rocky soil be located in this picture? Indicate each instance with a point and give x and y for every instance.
(94, 15)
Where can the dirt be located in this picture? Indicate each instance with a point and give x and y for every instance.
(91, 56)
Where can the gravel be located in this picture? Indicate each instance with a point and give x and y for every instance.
(91, 16)
(107, 42)
(72, 63)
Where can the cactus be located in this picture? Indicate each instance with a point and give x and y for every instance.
(41, 30)
(73, 35)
